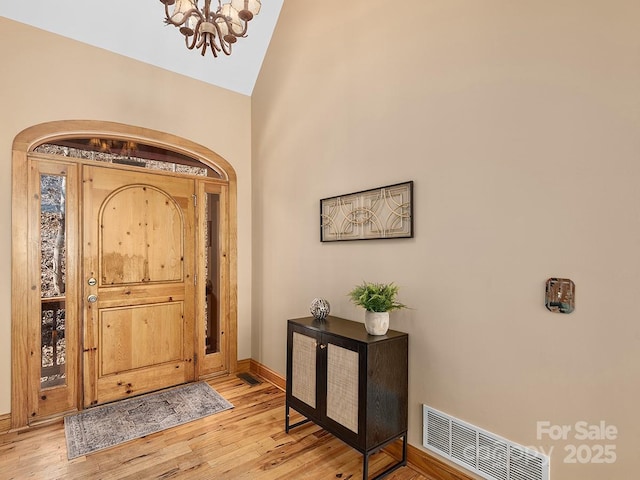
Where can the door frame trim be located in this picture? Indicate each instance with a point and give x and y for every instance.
(24, 143)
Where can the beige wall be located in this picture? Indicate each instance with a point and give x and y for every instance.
(519, 123)
(46, 77)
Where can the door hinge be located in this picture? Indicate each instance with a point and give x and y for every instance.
(195, 358)
(195, 279)
(195, 200)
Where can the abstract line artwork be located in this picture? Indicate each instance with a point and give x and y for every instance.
(384, 212)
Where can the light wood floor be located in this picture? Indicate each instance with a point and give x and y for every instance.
(247, 442)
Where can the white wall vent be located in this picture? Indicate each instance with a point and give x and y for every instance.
(482, 452)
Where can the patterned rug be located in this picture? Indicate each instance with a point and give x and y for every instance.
(108, 425)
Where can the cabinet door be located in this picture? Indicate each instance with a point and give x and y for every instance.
(343, 387)
(304, 366)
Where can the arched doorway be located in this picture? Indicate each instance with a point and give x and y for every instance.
(123, 265)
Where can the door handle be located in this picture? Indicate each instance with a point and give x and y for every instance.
(92, 298)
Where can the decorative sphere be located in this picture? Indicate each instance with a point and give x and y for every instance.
(319, 308)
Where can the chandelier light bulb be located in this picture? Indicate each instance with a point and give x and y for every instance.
(205, 28)
(246, 8)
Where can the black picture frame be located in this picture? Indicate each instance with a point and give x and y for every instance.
(373, 214)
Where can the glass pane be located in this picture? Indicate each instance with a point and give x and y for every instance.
(128, 153)
(212, 304)
(52, 279)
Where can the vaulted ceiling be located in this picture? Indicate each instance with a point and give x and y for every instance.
(135, 29)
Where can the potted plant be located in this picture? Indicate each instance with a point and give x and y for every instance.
(377, 299)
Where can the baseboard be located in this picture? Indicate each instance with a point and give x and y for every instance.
(427, 463)
(420, 460)
(268, 374)
(5, 423)
(243, 366)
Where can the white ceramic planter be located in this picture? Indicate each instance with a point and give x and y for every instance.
(376, 323)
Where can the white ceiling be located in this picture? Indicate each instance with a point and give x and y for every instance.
(135, 28)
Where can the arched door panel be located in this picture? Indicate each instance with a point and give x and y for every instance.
(139, 282)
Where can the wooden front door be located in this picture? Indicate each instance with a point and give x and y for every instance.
(139, 285)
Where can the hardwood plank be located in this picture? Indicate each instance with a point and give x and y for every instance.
(246, 442)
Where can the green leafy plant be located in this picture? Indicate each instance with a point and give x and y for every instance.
(376, 297)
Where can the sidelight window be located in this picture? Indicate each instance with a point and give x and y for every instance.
(212, 304)
(53, 262)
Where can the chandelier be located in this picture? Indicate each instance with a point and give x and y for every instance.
(203, 27)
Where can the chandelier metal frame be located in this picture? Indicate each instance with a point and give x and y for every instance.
(204, 27)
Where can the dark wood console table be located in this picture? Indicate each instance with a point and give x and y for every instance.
(352, 384)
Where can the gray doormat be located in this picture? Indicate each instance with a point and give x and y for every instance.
(108, 425)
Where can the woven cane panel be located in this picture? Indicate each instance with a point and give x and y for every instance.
(342, 386)
(303, 375)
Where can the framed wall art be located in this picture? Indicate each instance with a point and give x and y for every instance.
(379, 213)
